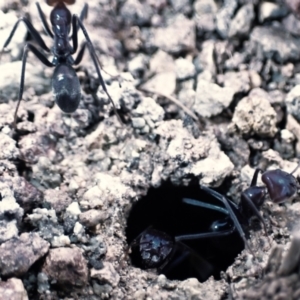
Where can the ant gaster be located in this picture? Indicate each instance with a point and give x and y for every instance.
(157, 248)
(65, 83)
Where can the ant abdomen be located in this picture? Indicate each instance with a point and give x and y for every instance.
(66, 88)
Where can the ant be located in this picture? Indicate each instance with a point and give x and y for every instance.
(156, 248)
(65, 83)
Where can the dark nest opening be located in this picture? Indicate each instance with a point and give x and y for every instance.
(162, 212)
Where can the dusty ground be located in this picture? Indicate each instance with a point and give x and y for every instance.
(209, 91)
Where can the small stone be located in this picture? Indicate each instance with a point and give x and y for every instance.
(255, 115)
(287, 136)
(136, 13)
(211, 99)
(255, 79)
(46, 173)
(149, 110)
(292, 24)
(73, 209)
(19, 254)
(270, 11)
(192, 288)
(164, 83)
(287, 70)
(291, 258)
(58, 200)
(182, 6)
(107, 274)
(66, 266)
(277, 43)
(93, 197)
(276, 97)
(184, 68)
(138, 122)
(179, 36)
(92, 217)
(224, 15)
(8, 230)
(60, 241)
(138, 65)
(161, 62)
(292, 101)
(239, 82)
(242, 22)
(78, 228)
(205, 61)
(12, 289)
(43, 283)
(26, 195)
(203, 7)
(103, 289)
(8, 149)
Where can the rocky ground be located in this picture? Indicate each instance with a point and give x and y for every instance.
(207, 90)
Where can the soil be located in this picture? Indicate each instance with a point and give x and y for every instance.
(206, 91)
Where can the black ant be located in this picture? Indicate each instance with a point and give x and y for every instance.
(156, 248)
(65, 83)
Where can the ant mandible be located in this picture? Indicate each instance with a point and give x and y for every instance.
(65, 83)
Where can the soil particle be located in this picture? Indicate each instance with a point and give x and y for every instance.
(13, 289)
(66, 266)
(18, 254)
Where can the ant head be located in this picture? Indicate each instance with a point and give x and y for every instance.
(154, 247)
(54, 2)
(282, 186)
(60, 18)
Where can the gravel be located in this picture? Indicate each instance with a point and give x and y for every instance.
(207, 92)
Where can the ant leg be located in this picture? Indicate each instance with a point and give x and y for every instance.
(74, 35)
(204, 235)
(83, 15)
(295, 169)
(79, 57)
(37, 37)
(169, 268)
(94, 58)
(255, 211)
(84, 12)
(205, 205)
(231, 214)
(254, 178)
(44, 21)
(200, 266)
(42, 58)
